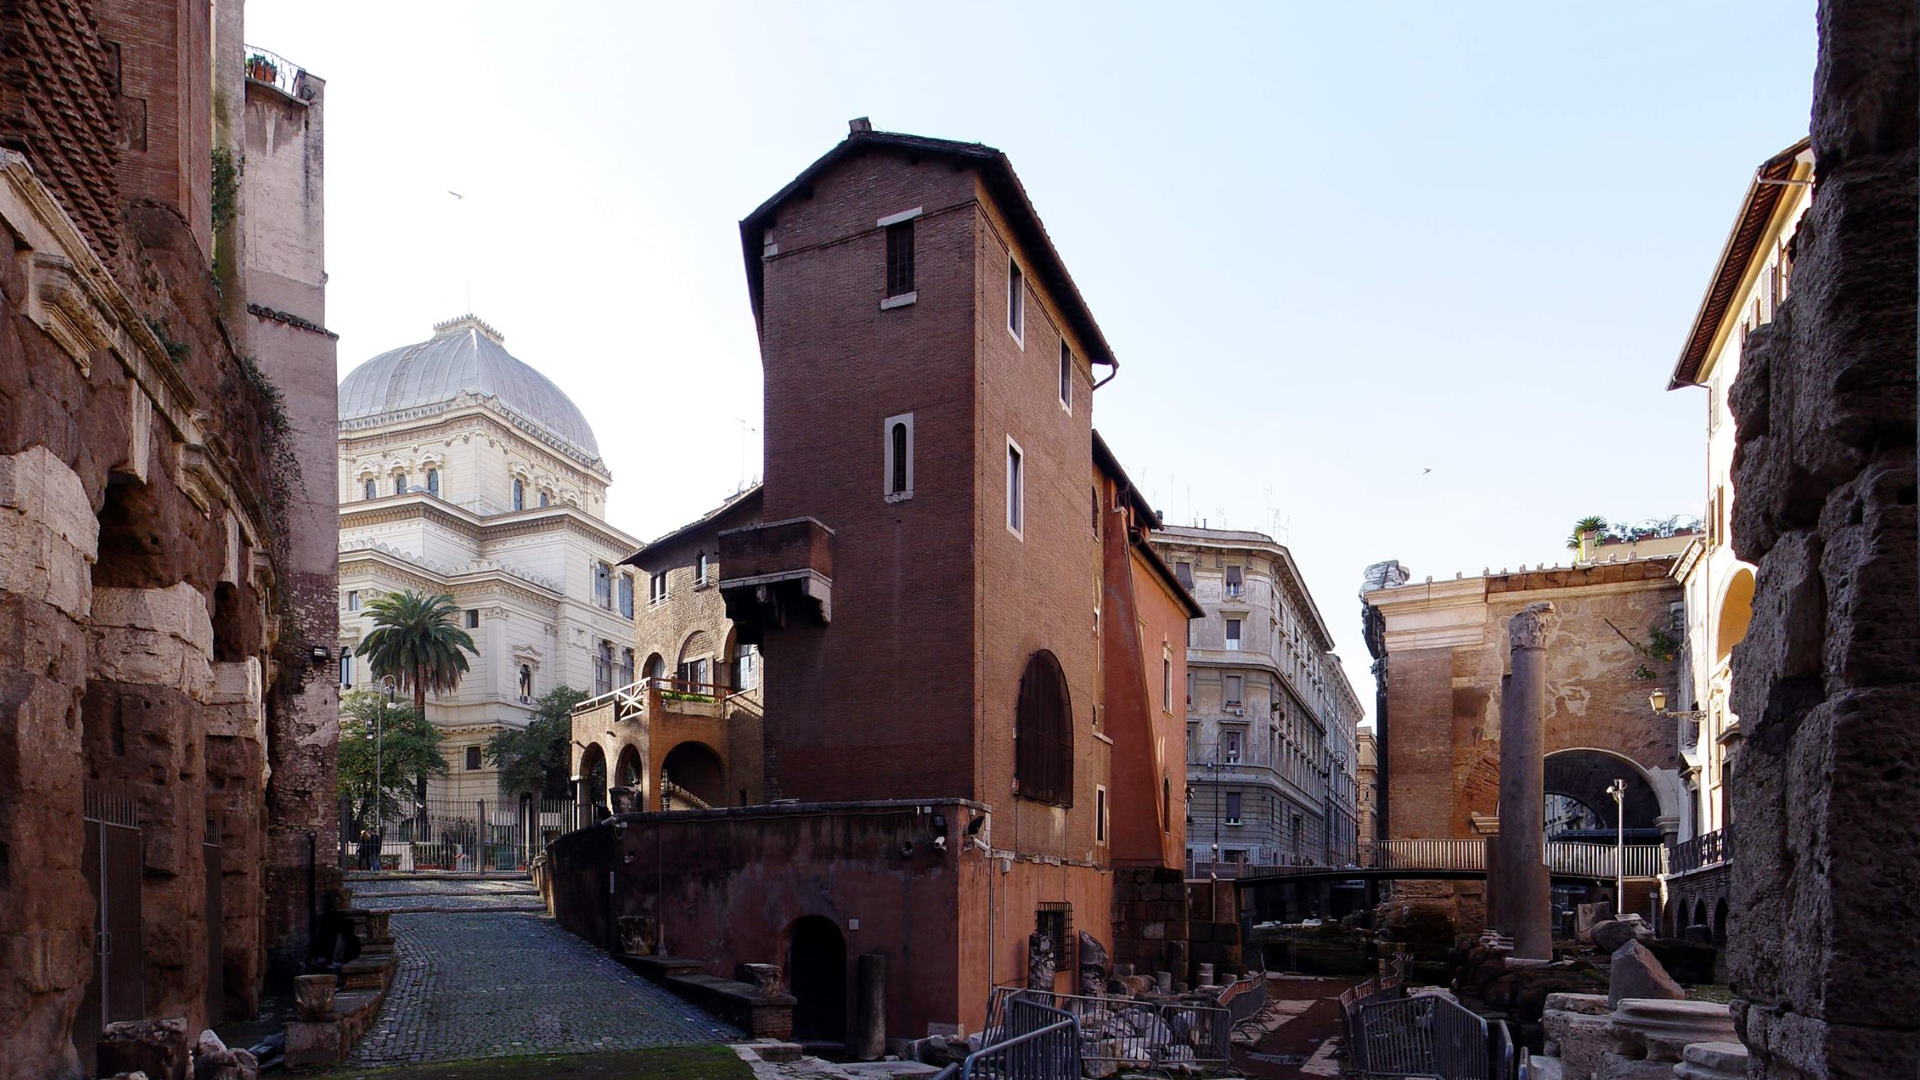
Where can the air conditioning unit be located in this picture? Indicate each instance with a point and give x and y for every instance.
(1237, 710)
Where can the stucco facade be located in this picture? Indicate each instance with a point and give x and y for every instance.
(1270, 716)
(455, 488)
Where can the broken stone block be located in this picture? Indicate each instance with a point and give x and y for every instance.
(1093, 964)
(1637, 973)
(1657, 1030)
(155, 1047)
(1613, 933)
(225, 1064)
(313, 994)
(1712, 1061)
(1040, 961)
(1578, 1029)
(764, 978)
(639, 936)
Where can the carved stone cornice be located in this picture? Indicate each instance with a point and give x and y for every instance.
(1529, 628)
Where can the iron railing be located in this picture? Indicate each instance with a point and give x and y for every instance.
(471, 837)
(1707, 849)
(1244, 999)
(1428, 1035)
(1129, 1031)
(1037, 1042)
(278, 72)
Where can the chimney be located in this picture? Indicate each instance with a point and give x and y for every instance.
(859, 125)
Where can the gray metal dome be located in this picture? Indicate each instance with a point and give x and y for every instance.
(464, 356)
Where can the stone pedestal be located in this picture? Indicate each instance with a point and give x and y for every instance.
(1524, 899)
(1650, 1029)
(1712, 1061)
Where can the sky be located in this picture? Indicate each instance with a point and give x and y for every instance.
(1385, 280)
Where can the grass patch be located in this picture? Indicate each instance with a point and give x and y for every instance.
(655, 1063)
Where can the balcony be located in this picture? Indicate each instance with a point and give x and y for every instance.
(1705, 850)
(272, 69)
(776, 572)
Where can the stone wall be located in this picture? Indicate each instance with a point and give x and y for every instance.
(147, 626)
(1150, 921)
(1827, 681)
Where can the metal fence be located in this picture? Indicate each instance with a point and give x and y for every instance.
(1244, 999)
(477, 837)
(1037, 1042)
(1429, 1035)
(1129, 1031)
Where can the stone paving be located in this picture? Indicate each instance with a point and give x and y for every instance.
(445, 894)
(476, 981)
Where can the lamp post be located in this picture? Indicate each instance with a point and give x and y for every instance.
(379, 755)
(1618, 789)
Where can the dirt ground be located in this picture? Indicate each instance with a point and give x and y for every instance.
(1305, 1047)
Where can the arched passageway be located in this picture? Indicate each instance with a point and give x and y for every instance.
(1699, 914)
(817, 977)
(1579, 807)
(1720, 923)
(628, 772)
(692, 769)
(1736, 611)
(593, 777)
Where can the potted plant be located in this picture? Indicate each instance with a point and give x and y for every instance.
(261, 69)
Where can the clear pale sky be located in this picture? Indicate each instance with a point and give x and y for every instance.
(1333, 245)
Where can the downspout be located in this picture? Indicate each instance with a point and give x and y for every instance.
(1108, 379)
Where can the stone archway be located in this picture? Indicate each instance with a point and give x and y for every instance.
(817, 978)
(1576, 782)
(593, 777)
(628, 770)
(693, 769)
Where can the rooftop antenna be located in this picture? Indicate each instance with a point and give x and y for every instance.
(746, 427)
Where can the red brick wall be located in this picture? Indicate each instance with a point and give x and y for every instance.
(879, 703)
(67, 126)
(166, 105)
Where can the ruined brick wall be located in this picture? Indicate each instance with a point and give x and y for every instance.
(1150, 921)
(1827, 680)
(145, 617)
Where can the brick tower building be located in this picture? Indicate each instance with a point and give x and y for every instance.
(971, 650)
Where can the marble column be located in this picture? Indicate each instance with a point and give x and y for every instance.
(1525, 900)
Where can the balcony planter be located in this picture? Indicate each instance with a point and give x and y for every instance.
(261, 69)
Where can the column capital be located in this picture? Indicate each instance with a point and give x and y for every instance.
(1529, 629)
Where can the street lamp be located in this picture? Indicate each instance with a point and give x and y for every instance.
(1618, 789)
(379, 753)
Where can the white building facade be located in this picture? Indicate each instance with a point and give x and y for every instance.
(464, 471)
(1271, 718)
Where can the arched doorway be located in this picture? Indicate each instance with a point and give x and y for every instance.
(691, 776)
(817, 978)
(1579, 807)
(628, 772)
(1720, 922)
(656, 667)
(1699, 913)
(593, 778)
(696, 662)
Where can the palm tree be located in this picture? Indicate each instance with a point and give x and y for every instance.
(1594, 525)
(415, 641)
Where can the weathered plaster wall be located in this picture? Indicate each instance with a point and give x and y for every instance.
(1827, 681)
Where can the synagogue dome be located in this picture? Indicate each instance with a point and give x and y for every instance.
(464, 356)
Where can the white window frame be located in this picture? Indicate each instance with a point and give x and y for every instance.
(886, 458)
(1100, 814)
(1016, 489)
(1016, 301)
(1166, 682)
(1066, 377)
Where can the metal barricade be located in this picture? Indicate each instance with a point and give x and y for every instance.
(1129, 1031)
(1428, 1035)
(1038, 1042)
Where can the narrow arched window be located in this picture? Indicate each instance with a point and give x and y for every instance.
(433, 482)
(1043, 732)
(897, 450)
(898, 482)
(519, 494)
(369, 489)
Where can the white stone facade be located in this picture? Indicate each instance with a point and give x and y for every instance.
(1271, 718)
(540, 587)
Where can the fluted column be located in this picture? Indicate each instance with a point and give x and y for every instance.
(1525, 902)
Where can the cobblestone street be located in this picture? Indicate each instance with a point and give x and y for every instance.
(483, 974)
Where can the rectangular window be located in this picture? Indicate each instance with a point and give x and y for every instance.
(603, 585)
(1234, 581)
(700, 566)
(1189, 689)
(626, 595)
(626, 667)
(1234, 856)
(1233, 635)
(1230, 742)
(1166, 683)
(1099, 815)
(1233, 689)
(353, 599)
(1066, 376)
(656, 587)
(1183, 571)
(1056, 922)
(473, 618)
(900, 258)
(1233, 808)
(1016, 489)
(746, 668)
(1193, 742)
(1016, 301)
(896, 457)
(473, 757)
(346, 667)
